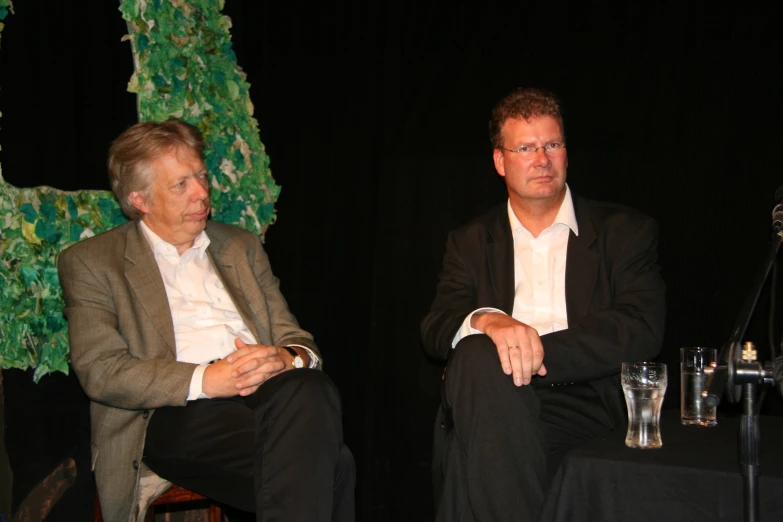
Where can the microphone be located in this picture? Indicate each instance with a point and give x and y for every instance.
(777, 212)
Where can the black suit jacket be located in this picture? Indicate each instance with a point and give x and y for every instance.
(614, 294)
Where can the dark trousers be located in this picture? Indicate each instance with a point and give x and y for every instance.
(278, 453)
(497, 445)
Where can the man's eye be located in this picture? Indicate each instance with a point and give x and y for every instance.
(553, 146)
(523, 148)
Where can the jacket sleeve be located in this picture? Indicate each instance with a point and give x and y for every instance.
(455, 298)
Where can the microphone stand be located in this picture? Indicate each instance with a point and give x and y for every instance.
(740, 375)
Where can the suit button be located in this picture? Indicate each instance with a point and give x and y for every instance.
(136, 465)
(145, 414)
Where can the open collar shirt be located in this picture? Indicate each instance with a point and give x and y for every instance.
(539, 273)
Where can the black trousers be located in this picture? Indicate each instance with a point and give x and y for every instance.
(278, 453)
(498, 445)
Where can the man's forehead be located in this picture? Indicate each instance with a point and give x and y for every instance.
(175, 164)
(547, 123)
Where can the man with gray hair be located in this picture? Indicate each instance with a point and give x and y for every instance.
(194, 366)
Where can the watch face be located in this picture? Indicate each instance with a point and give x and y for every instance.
(298, 362)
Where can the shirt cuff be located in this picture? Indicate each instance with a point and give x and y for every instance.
(315, 361)
(466, 330)
(196, 392)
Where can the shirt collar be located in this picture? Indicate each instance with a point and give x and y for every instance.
(159, 246)
(565, 216)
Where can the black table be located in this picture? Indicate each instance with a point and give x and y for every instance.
(695, 476)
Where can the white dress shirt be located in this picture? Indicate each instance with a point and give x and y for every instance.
(206, 321)
(539, 274)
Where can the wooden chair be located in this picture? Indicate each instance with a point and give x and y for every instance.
(171, 494)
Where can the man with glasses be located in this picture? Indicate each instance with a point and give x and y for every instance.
(538, 304)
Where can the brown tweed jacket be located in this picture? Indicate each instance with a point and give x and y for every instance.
(122, 339)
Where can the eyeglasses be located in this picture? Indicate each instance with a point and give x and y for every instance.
(550, 149)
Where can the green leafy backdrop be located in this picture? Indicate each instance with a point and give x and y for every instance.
(184, 67)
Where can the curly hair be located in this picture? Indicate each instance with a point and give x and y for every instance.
(524, 103)
(131, 154)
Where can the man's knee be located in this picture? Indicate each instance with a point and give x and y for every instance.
(313, 381)
(311, 387)
(475, 354)
(300, 389)
(474, 368)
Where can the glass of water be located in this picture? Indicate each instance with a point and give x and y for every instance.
(695, 365)
(644, 385)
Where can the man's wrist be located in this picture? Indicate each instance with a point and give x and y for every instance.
(196, 388)
(299, 357)
(478, 319)
(206, 382)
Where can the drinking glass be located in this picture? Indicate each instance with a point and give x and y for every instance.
(644, 385)
(693, 381)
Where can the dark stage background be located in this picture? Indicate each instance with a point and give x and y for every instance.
(375, 117)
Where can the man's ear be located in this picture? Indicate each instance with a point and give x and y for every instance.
(497, 157)
(139, 201)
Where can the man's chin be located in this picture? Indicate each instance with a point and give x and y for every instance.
(551, 189)
(197, 226)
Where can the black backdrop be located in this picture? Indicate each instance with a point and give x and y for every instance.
(375, 119)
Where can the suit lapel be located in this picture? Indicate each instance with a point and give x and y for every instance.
(500, 257)
(144, 279)
(219, 250)
(582, 263)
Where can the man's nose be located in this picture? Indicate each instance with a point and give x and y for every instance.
(201, 191)
(541, 156)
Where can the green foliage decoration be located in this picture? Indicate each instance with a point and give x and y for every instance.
(185, 68)
(36, 224)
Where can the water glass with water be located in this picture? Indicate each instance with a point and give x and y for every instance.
(644, 385)
(695, 365)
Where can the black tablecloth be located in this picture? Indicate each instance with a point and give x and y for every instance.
(695, 476)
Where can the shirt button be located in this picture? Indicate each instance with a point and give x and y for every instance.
(540, 282)
(146, 414)
(136, 465)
